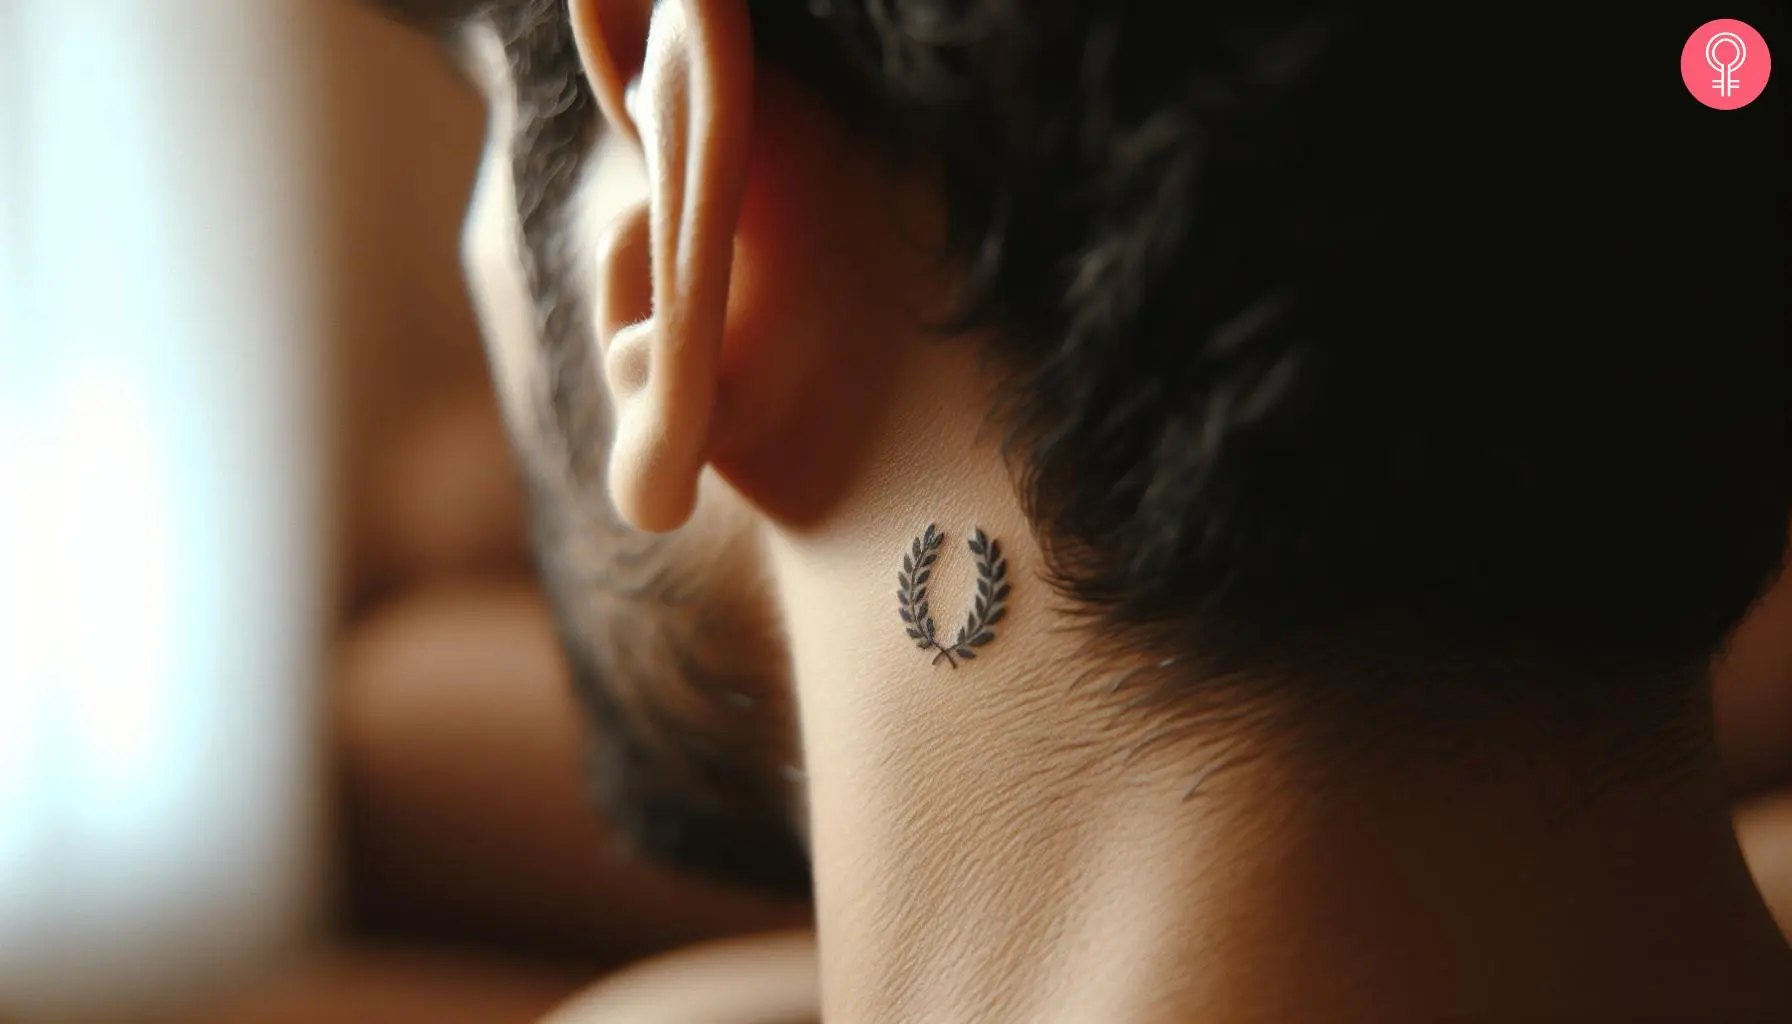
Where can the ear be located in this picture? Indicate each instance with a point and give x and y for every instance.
(677, 77)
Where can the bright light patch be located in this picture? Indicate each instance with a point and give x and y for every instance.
(158, 519)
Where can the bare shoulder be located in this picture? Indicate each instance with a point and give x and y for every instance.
(758, 979)
(1753, 697)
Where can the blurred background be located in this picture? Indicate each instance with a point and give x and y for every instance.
(284, 734)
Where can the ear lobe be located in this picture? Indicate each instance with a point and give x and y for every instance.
(692, 113)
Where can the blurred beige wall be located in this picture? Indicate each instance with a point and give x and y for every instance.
(402, 137)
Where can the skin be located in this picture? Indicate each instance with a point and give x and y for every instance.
(1754, 722)
(1005, 841)
(762, 979)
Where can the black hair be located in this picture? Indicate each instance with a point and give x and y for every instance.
(1340, 335)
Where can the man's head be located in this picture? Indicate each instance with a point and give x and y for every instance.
(671, 640)
(1333, 352)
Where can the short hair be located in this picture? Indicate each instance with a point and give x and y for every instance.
(1336, 330)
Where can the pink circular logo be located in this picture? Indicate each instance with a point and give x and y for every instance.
(1725, 64)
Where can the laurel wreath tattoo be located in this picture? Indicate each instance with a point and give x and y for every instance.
(986, 611)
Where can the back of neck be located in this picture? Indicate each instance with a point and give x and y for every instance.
(988, 870)
(1005, 841)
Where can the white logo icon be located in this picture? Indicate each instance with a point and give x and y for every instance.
(1725, 83)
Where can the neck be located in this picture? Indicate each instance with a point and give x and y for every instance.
(970, 884)
(999, 842)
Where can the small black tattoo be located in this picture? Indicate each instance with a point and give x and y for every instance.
(917, 616)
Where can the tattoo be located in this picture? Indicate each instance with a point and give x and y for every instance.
(988, 609)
